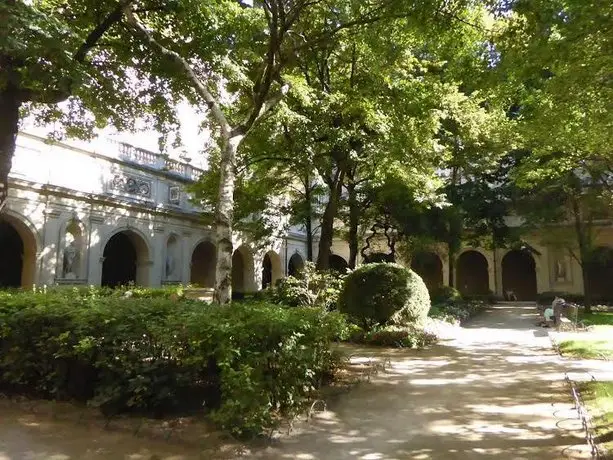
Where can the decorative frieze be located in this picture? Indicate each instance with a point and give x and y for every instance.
(133, 185)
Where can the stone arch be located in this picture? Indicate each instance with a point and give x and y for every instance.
(72, 251)
(472, 273)
(243, 273)
(600, 273)
(429, 266)
(125, 258)
(203, 264)
(295, 265)
(172, 258)
(338, 263)
(19, 246)
(271, 269)
(519, 275)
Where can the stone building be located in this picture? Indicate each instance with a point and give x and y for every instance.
(542, 265)
(107, 213)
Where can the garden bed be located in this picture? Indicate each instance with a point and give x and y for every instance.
(153, 353)
(598, 398)
(597, 343)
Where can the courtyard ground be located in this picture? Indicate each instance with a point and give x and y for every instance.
(493, 390)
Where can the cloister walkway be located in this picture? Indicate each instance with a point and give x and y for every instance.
(495, 390)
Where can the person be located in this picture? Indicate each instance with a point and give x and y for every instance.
(549, 315)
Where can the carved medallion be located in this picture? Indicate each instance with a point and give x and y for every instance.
(132, 185)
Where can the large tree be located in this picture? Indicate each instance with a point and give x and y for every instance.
(568, 205)
(375, 99)
(555, 63)
(69, 51)
(236, 61)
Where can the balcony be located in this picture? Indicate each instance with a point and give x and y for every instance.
(142, 157)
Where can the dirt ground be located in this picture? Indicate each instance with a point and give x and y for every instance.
(494, 390)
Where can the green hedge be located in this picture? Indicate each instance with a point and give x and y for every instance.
(445, 294)
(382, 293)
(394, 336)
(545, 298)
(248, 365)
(312, 288)
(458, 311)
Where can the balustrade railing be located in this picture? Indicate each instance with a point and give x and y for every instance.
(162, 162)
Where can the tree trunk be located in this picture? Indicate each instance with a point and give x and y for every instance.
(327, 225)
(309, 236)
(354, 219)
(585, 255)
(308, 221)
(9, 128)
(223, 221)
(451, 256)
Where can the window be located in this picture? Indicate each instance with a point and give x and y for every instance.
(174, 195)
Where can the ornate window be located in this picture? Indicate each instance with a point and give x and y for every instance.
(174, 194)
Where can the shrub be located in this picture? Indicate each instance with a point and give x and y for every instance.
(490, 297)
(395, 336)
(458, 311)
(445, 294)
(311, 289)
(545, 298)
(249, 365)
(377, 294)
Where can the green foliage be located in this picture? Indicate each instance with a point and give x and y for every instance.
(553, 57)
(602, 318)
(312, 288)
(249, 365)
(449, 305)
(378, 294)
(445, 294)
(394, 336)
(102, 84)
(598, 397)
(587, 349)
(457, 311)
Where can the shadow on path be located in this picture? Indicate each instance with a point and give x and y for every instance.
(494, 391)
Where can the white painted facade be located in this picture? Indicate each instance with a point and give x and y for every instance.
(67, 200)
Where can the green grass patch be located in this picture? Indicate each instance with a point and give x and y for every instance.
(598, 318)
(588, 349)
(598, 398)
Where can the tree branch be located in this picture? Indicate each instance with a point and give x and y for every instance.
(96, 34)
(65, 87)
(198, 84)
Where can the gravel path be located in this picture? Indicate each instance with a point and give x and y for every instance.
(494, 390)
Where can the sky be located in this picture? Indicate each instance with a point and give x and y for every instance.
(194, 139)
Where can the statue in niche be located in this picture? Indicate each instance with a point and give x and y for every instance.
(71, 259)
(170, 265)
(561, 274)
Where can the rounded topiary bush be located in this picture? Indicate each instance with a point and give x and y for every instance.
(384, 293)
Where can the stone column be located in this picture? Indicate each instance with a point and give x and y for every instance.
(95, 249)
